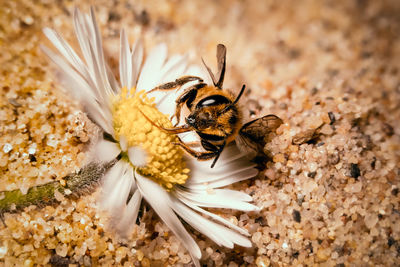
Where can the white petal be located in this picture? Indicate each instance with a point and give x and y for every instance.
(90, 81)
(106, 151)
(84, 43)
(173, 68)
(81, 89)
(165, 103)
(150, 74)
(82, 36)
(101, 115)
(159, 199)
(113, 82)
(68, 53)
(218, 173)
(129, 216)
(112, 174)
(123, 143)
(195, 70)
(89, 39)
(232, 166)
(138, 156)
(215, 199)
(224, 180)
(101, 84)
(196, 262)
(137, 58)
(72, 80)
(219, 234)
(233, 153)
(115, 201)
(125, 62)
(161, 73)
(99, 51)
(215, 217)
(109, 180)
(228, 193)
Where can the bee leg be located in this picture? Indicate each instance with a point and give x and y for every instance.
(188, 96)
(177, 130)
(213, 151)
(177, 83)
(217, 149)
(198, 155)
(180, 101)
(181, 129)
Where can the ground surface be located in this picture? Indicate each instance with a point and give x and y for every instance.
(329, 69)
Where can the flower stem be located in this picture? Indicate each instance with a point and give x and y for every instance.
(80, 183)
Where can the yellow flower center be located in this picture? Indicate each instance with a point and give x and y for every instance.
(165, 164)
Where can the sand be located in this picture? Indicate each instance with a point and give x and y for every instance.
(329, 69)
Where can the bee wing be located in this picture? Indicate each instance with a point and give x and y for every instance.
(245, 146)
(254, 134)
(221, 59)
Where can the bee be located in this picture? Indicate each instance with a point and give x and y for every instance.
(215, 114)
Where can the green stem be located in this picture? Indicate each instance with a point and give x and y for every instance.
(80, 183)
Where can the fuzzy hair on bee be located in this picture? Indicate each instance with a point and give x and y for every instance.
(215, 114)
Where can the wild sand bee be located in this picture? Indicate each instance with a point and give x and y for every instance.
(215, 115)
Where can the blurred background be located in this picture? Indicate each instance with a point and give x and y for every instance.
(300, 60)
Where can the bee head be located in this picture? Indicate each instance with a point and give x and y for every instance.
(200, 120)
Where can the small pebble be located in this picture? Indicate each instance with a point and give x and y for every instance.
(354, 170)
(331, 117)
(333, 219)
(312, 174)
(296, 216)
(391, 241)
(7, 148)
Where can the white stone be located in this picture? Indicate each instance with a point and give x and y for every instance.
(7, 148)
(3, 252)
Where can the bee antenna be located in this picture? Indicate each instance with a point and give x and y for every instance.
(152, 122)
(228, 107)
(240, 94)
(181, 129)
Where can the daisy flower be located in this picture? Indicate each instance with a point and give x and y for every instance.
(150, 166)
